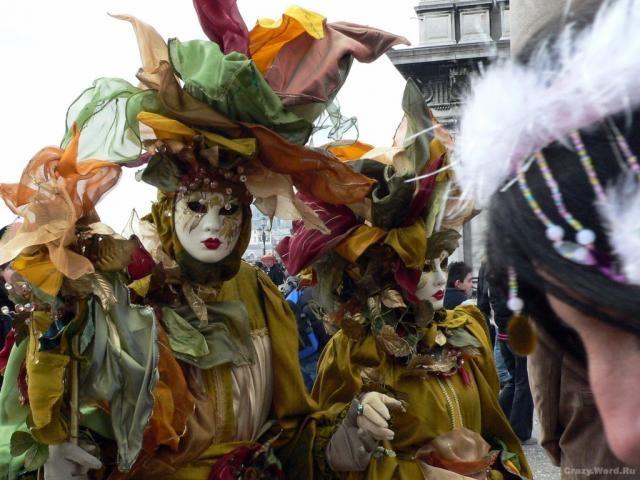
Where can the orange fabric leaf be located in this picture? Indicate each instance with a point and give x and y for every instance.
(350, 151)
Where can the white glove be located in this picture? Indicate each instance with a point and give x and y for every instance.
(373, 415)
(69, 461)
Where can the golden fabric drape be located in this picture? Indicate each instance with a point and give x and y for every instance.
(345, 362)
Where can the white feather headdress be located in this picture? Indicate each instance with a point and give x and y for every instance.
(515, 110)
(620, 213)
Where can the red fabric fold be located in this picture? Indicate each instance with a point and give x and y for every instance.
(9, 341)
(222, 22)
(306, 245)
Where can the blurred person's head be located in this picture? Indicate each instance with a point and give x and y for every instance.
(461, 277)
(574, 246)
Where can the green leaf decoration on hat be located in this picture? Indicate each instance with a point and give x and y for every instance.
(441, 241)
(162, 172)
(233, 85)
(106, 113)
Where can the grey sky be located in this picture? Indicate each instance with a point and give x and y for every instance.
(52, 51)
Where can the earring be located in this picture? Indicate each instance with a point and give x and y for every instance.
(522, 336)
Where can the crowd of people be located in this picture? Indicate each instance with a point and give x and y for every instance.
(356, 350)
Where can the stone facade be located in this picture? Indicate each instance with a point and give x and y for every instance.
(457, 38)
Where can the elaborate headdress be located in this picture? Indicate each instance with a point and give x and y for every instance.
(376, 249)
(239, 118)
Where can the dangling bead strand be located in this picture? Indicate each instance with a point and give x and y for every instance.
(584, 236)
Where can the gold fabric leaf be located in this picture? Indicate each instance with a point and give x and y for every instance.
(393, 343)
(108, 254)
(141, 286)
(374, 306)
(103, 289)
(354, 326)
(392, 299)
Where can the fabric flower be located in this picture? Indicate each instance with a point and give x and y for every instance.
(54, 192)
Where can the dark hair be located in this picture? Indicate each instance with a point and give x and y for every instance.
(517, 238)
(457, 271)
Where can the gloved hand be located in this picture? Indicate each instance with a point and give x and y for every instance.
(367, 422)
(69, 461)
(373, 415)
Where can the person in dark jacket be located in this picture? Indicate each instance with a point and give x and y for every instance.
(459, 285)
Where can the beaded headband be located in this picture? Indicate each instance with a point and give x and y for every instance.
(181, 169)
(583, 250)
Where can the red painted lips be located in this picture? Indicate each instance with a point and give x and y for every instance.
(212, 243)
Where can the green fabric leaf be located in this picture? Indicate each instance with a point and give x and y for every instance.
(36, 456)
(124, 346)
(162, 172)
(20, 443)
(441, 241)
(462, 338)
(106, 114)
(235, 87)
(227, 333)
(507, 456)
(418, 120)
(183, 337)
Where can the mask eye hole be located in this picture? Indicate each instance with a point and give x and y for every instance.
(444, 264)
(197, 207)
(428, 267)
(230, 211)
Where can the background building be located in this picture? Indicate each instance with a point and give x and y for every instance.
(265, 235)
(457, 38)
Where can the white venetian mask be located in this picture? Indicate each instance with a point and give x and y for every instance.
(433, 281)
(208, 224)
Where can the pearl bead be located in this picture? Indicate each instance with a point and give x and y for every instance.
(586, 237)
(515, 304)
(581, 255)
(555, 233)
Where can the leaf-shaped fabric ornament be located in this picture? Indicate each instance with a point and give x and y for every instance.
(393, 343)
(20, 443)
(103, 289)
(36, 456)
(392, 299)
